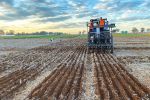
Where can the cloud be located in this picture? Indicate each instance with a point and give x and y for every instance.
(117, 5)
(103, 7)
(10, 2)
(35, 7)
(134, 18)
(68, 25)
(54, 19)
(128, 4)
(73, 13)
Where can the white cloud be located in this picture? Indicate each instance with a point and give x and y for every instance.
(103, 7)
(105, 0)
(72, 3)
(123, 13)
(6, 9)
(129, 14)
(1, 14)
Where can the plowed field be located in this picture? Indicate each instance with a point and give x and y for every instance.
(73, 74)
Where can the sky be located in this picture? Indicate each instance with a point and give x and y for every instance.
(70, 16)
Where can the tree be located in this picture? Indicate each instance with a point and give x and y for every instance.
(135, 30)
(83, 31)
(142, 30)
(2, 32)
(80, 32)
(115, 30)
(148, 30)
(11, 32)
(124, 32)
(43, 33)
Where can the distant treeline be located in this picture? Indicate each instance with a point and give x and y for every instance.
(134, 30)
(11, 32)
(42, 33)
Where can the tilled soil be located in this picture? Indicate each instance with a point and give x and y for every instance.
(22, 43)
(132, 43)
(74, 73)
(138, 66)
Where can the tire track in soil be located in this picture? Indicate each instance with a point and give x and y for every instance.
(111, 80)
(11, 83)
(53, 75)
(69, 80)
(114, 82)
(89, 76)
(23, 93)
(65, 82)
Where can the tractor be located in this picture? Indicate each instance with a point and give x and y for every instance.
(100, 35)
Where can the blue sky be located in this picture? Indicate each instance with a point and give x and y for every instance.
(71, 15)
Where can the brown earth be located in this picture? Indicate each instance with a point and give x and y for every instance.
(65, 70)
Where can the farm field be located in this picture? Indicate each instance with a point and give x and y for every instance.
(74, 50)
(64, 69)
(39, 36)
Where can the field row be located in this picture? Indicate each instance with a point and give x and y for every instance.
(74, 70)
(114, 82)
(111, 80)
(29, 70)
(65, 82)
